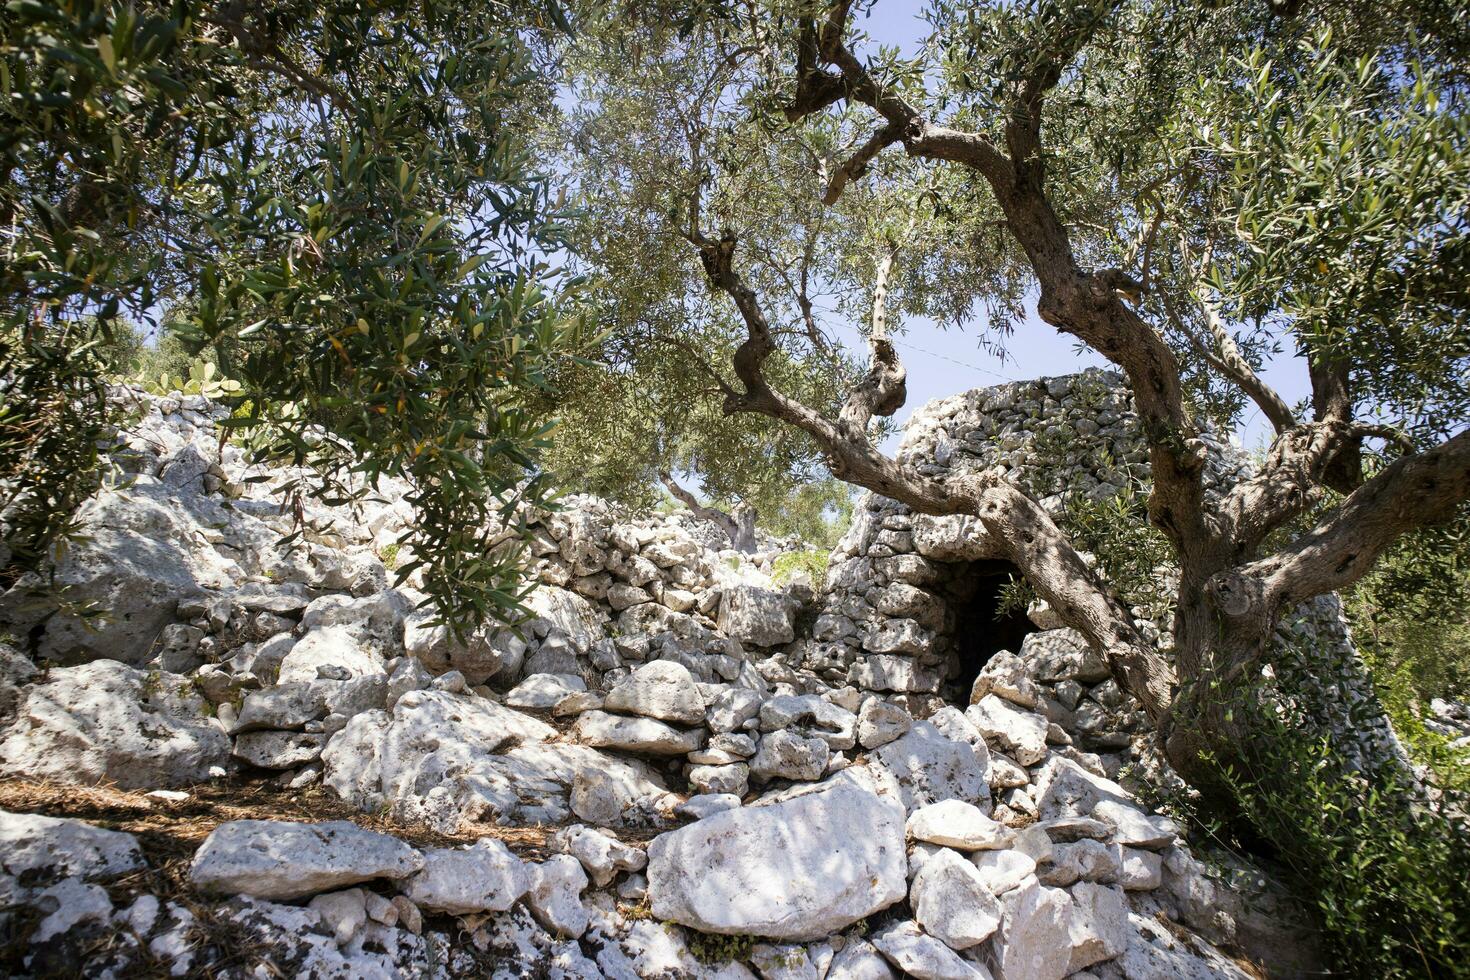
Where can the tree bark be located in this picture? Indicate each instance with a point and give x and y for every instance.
(1230, 600)
(738, 527)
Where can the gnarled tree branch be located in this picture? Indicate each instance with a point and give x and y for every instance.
(1409, 493)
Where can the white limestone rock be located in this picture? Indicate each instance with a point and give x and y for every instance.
(831, 723)
(277, 859)
(930, 767)
(139, 552)
(1003, 870)
(483, 877)
(555, 896)
(732, 708)
(859, 960)
(1021, 734)
(760, 617)
(662, 689)
(801, 868)
(707, 805)
(957, 824)
(645, 735)
(602, 854)
(784, 962)
(1140, 870)
(790, 755)
(278, 750)
(925, 957)
(1099, 928)
(36, 851)
(444, 759)
(107, 722)
(343, 913)
(1034, 939)
(891, 672)
(336, 646)
(1132, 827)
(880, 722)
(544, 691)
(1006, 675)
(951, 901)
(727, 780)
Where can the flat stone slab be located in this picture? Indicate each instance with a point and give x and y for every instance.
(802, 868)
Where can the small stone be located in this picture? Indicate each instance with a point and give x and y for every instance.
(950, 900)
(602, 854)
(483, 877)
(409, 915)
(1131, 827)
(707, 805)
(575, 703)
(859, 960)
(1021, 734)
(732, 780)
(278, 750)
(925, 957)
(880, 722)
(957, 824)
(344, 913)
(555, 895)
(539, 692)
(597, 728)
(788, 755)
(1141, 870)
(1006, 675)
(1002, 870)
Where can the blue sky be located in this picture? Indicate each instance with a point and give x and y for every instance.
(943, 362)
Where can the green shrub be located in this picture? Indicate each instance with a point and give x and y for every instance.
(812, 563)
(711, 949)
(1384, 866)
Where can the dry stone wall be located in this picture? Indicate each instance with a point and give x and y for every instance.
(657, 775)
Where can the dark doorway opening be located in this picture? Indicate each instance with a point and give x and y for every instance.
(980, 628)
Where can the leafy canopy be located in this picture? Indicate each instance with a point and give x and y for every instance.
(341, 197)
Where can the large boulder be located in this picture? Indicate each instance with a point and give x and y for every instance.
(282, 860)
(107, 722)
(930, 767)
(799, 868)
(662, 689)
(38, 851)
(141, 550)
(760, 617)
(443, 759)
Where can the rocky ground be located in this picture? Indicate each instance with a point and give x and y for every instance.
(264, 761)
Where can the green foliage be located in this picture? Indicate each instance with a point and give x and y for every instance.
(812, 564)
(1384, 870)
(202, 379)
(657, 402)
(340, 200)
(1131, 553)
(714, 950)
(1346, 179)
(53, 415)
(1411, 622)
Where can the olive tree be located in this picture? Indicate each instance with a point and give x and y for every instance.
(1185, 191)
(344, 200)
